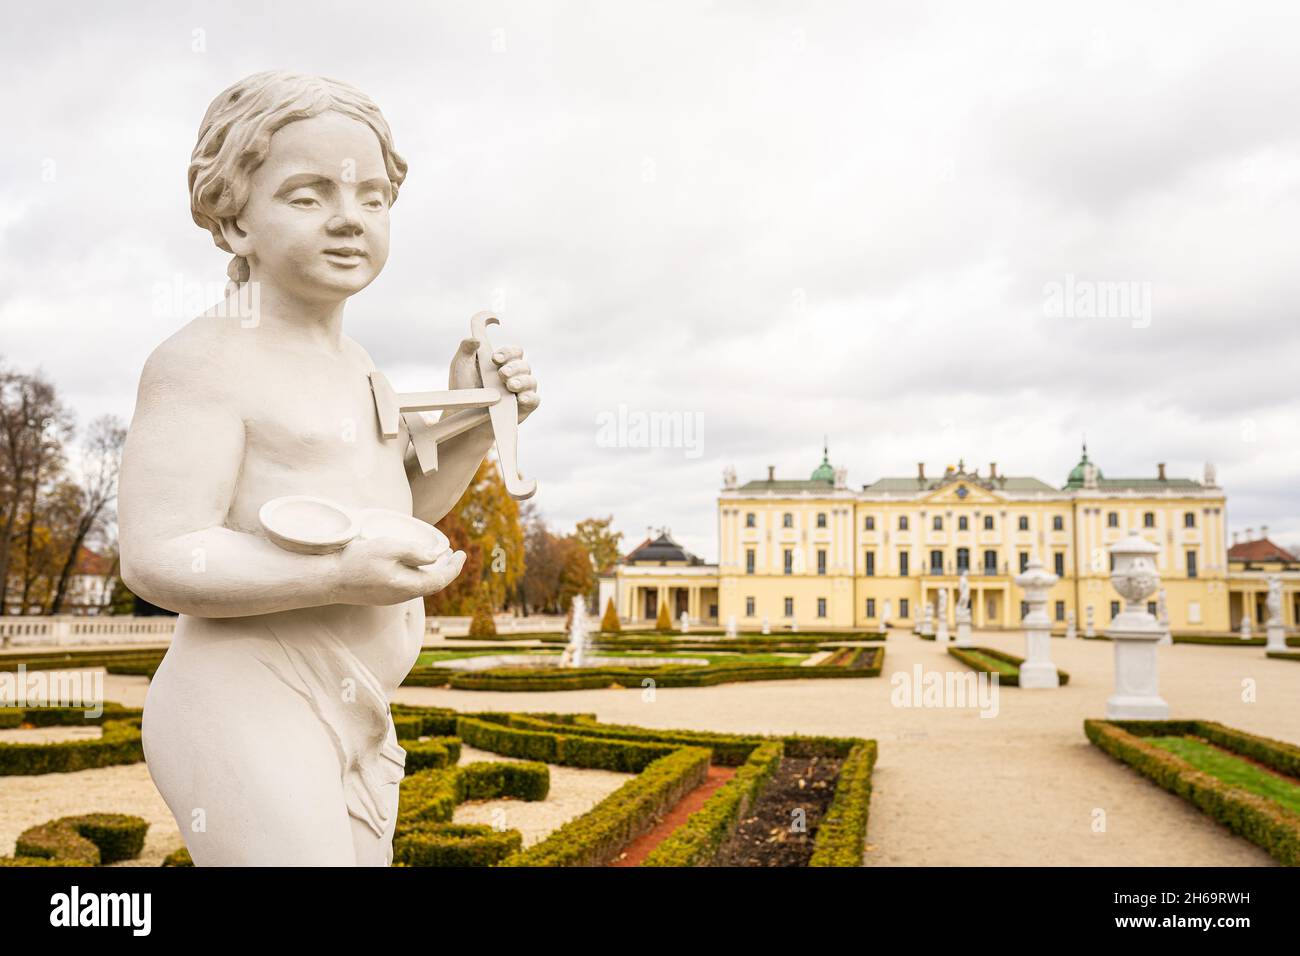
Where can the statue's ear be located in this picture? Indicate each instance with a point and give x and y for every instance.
(236, 238)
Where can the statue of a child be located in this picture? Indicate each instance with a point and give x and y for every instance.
(267, 727)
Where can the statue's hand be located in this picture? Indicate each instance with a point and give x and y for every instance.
(515, 373)
(389, 571)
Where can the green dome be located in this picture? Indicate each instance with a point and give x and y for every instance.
(1076, 474)
(824, 471)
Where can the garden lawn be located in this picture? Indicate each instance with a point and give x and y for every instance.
(1233, 770)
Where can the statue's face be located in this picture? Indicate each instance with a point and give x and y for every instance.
(316, 220)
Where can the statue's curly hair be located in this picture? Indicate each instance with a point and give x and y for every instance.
(236, 134)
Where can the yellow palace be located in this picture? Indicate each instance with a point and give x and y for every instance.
(815, 553)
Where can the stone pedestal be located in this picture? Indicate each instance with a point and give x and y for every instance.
(1276, 637)
(963, 629)
(1135, 633)
(1037, 672)
(1070, 631)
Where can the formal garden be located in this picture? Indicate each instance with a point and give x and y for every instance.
(814, 793)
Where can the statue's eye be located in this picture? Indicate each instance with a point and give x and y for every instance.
(304, 202)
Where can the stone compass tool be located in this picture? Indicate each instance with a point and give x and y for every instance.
(469, 408)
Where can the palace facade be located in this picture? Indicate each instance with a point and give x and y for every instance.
(816, 553)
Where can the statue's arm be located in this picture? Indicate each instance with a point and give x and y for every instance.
(180, 467)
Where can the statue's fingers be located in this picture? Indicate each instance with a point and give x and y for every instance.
(506, 353)
(515, 367)
(521, 383)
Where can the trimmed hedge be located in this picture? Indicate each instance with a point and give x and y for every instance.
(672, 675)
(565, 749)
(1284, 655)
(430, 796)
(729, 750)
(600, 835)
(454, 844)
(1275, 754)
(119, 744)
(696, 842)
(1262, 821)
(179, 857)
(434, 721)
(432, 753)
(842, 834)
(90, 839)
(1008, 680)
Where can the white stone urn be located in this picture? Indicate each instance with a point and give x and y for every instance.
(1135, 633)
(1037, 671)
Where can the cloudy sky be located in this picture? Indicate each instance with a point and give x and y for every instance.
(777, 221)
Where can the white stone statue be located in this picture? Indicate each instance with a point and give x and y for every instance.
(941, 632)
(1247, 626)
(1089, 628)
(1071, 628)
(731, 626)
(1135, 633)
(767, 625)
(1274, 628)
(963, 595)
(684, 623)
(729, 478)
(1037, 672)
(271, 493)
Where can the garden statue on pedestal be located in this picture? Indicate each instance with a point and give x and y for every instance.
(1276, 631)
(962, 612)
(1135, 633)
(280, 496)
(1037, 670)
(941, 633)
(1071, 631)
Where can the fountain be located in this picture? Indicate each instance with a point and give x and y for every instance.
(575, 655)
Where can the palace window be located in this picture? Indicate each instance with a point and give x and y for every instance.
(902, 564)
(789, 607)
(936, 562)
(821, 607)
(902, 607)
(988, 522)
(749, 607)
(902, 522)
(1191, 564)
(938, 523)
(1149, 519)
(750, 519)
(1189, 519)
(963, 559)
(962, 523)
(990, 562)
(1023, 523)
(871, 607)
(788, 558)
(1024, 561)
(1112, 519)
(1060, 610)
(1058, 563)
(869, 523)
(749, 560)
(821, 519)
(869, 559)
(787, 520)
(821, 560)
(1151, 608)
(1114, 610)
(1058, 523)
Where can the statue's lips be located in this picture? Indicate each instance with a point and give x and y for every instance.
(345, 255)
